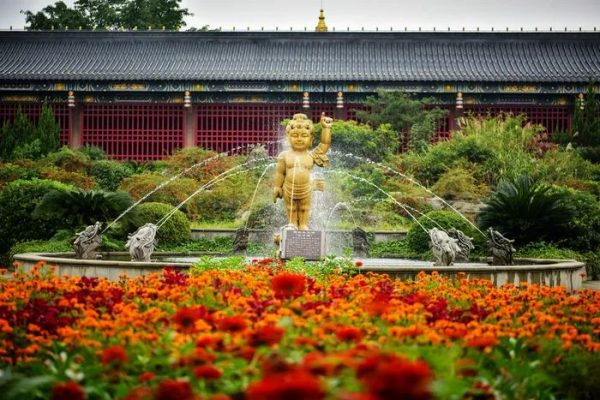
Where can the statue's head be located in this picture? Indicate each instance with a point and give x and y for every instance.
(300, 132)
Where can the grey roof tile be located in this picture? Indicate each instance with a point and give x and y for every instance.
(449, 57)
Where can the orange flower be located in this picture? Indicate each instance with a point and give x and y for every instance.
(483, 341)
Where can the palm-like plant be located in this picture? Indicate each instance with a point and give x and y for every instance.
(526, 211)
(78, 207)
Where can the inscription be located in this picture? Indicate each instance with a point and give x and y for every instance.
(309, 245)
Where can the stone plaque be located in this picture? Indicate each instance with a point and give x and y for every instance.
(309, 245)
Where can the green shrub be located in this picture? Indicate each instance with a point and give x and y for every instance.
(547, 250)
(459, 184)
(418, 240)
(188, 157)
(173, 193)
(13, 172)
(175, 230)
(94, 153)
(361, 140)
(18, 200)
(77, 179)
(223, 201)
(392, 248)
(558, 167)
(109, 174)
(41, 246)
(583, 227)
(526, 211)
(70, 160)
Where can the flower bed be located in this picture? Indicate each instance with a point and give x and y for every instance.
(264, 332)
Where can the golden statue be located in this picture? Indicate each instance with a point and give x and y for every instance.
(292, 176)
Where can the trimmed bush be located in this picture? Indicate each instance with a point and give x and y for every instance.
(13, 172)
(18, 200)
(77, 179)
(175, 230)
(70, 160)
(109, 174)
(418, 240)
(459, 184)
(173, 193)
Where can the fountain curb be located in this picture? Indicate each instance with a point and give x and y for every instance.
(549, 272)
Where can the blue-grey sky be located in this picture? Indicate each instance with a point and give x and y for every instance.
(367, 14)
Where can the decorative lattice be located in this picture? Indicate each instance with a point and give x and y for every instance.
(134, 131)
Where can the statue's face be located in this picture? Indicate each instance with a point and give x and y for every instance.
(300, 138)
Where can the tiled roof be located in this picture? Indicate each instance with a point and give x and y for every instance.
(387, 57)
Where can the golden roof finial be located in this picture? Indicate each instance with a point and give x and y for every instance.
(321, 27)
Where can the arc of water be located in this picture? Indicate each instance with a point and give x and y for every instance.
(411, 180)
(185, 171)
(335, 207)
(218, 178)
(256, 190)
(382, 191)
(406, 205)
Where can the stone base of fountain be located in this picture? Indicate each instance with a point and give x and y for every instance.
(566, 273)
(309, 245)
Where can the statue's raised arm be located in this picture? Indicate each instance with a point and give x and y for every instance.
(319, 153)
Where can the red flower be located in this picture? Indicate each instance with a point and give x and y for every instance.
(171, 389)
(139, 393)
(185, 318)
(67, 391)
(146, 376)
(114, 355)
(207, 372)
(232, 324)
(348, 334)
(359, 264)
(266, 336)
(293, 385)
(286, 285)
(393, 377)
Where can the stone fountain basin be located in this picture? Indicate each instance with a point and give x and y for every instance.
(567, 273)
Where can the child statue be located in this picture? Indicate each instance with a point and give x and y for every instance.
(292, 176)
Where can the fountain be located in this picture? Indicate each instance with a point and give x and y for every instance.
(294, 184)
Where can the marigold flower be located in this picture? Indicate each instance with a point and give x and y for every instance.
(291, 385)
(67, 391)
(266, 336)
(139, 393)
(185, 318)
(236, 323)
(114, 355)
(483, 341)
(207, 372)
(348, 334)
(146, 376)
(286, 285)
(172, 389)
(391, 377)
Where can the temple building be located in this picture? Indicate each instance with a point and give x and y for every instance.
(141, 95)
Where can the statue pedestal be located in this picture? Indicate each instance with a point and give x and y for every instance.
(309, 245)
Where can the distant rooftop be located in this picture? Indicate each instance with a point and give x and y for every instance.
(301, 56)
